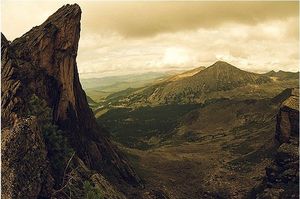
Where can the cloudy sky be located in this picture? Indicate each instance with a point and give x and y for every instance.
(135, 37)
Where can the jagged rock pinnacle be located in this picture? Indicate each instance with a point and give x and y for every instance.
(43, 62)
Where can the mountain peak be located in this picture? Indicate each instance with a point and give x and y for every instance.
(4, 41)
(65, 13)
(222, 64)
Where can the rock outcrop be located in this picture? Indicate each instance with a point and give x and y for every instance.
(282, 176)
(43, 62)
(287, 126)
(25, 168)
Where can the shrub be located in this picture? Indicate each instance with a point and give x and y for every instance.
(91, 192)
(59, 150)
(60, 155)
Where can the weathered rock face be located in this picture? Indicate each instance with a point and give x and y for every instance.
(282, 176)
(287, 126)
(25, 168)
(43, 62)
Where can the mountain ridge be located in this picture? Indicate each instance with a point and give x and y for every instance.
(220, 76)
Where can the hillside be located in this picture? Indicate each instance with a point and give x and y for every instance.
(99, 88)
(220, 80)
(216, 145)
(143, 127)
(282, 75)
(185, 74)
(220, 76)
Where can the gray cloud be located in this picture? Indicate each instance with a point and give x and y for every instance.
(150, 18)
(130, 37)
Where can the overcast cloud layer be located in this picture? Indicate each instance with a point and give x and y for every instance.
(126, 37)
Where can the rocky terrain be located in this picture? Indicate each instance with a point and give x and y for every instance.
(216, 145)
(282, 175)
(47, 125)
(205, 133)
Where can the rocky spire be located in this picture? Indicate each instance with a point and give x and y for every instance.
(43, 62)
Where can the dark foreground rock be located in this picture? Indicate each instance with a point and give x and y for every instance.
(43, 63)
(282, 176)
(25, 168)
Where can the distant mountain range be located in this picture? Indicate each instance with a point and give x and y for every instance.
(282, 75)
(99, 88)
(185, 74)
(220, 76)
(106, 82)
(220, 80)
